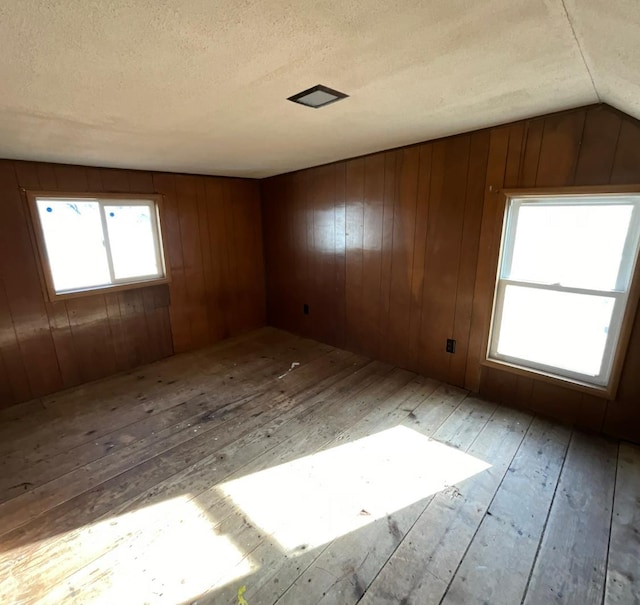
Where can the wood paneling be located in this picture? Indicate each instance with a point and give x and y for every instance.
(213, 236)
(581, 147)
(412, 249)
(406, 247)
(392, 252)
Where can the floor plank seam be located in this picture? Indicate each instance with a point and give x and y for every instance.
(546, 521)
(475, 533)
(613, 502)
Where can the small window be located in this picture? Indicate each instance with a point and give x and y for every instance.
(94, 242)
(563, 287)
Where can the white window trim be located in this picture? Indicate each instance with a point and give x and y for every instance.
(152, 201)
(625, 304)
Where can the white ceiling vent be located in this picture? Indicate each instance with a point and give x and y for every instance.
(317, 97)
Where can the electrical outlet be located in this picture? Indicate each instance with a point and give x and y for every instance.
(305, 309)
(451, 345)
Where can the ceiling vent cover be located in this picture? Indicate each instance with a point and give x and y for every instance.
(318, 96)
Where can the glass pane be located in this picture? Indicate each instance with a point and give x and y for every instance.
(573, 245)
(132, 243)
(75, 243)
(558, 329)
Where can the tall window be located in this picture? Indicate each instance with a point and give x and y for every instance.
(88, 243)
(563, 287)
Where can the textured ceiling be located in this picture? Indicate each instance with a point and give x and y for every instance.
(201, 86)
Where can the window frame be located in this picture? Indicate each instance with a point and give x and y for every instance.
(153, 201)
(624, 319)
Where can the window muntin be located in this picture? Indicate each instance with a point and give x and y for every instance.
(563, 284)
(90, 243)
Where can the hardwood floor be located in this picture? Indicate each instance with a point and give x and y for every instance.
(274, 469)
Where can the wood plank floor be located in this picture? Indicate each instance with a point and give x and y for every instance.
(273, 469)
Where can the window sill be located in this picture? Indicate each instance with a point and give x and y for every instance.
(568, 383)
(109, 289)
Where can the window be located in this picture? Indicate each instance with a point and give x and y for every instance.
(91, 242)
(564, 281)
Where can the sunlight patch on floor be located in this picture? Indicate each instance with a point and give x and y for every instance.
(315, 499)
(169, 552)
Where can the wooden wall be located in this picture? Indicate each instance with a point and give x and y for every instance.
(213, 234)
(395, 252)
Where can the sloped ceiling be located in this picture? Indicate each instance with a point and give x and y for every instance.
(200, 86)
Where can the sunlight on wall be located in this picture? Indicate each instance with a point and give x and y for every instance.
(169, 553)
(312, 500)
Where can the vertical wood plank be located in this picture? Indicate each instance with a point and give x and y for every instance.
(626, 165)
(597, 152)
(6, 392)
(114, 180)
(372, 253)
(94, 177)
(487, 255)
(23, 289)
(404, 227)
(524, 388)
(89, 323)
(273, 219)
(214, 189)
(470, 242)
(248, 274)
(516, 155)
(340, 217)
(180, 325)
(444, 262)
(16, 388)
(499, 386)
(46, 174)
(423, 203)
(531, 156)
(391, 160)
(68, 178)
(232, 294)
(559, 149)
(430, 270)
(256, 268)
(590, 413)
(324, 305)
(354, 200)
(140, 181)
(621, 417)
(124, 353)
(555, 401)
(187, 203)
(207, 265)
(310, 259)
